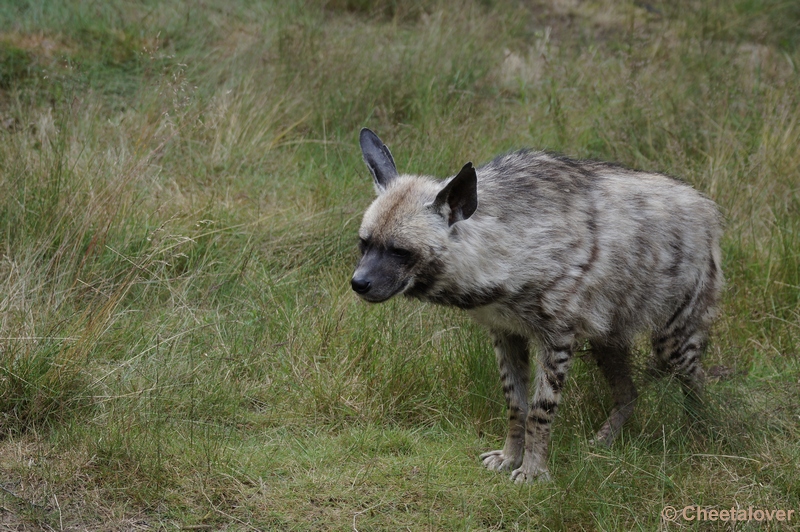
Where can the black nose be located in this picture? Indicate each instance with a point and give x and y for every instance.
(361, 286)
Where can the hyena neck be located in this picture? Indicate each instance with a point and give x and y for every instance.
(466, 299)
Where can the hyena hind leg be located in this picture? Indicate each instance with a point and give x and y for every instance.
(678, 351)
(614, 363)
(680, 344)
(513, 361)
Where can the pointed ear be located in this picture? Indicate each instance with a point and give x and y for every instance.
(378, 158)
(460, 195)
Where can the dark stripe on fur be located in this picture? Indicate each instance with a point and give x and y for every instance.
(547, 406)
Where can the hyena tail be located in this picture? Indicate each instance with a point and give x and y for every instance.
(679, 345)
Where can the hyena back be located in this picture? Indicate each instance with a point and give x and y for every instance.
(547, 252)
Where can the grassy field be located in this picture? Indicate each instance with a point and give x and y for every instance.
(180, 189)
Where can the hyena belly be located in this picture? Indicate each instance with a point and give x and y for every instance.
(546, 252)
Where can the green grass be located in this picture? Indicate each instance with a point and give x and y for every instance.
(180, 189)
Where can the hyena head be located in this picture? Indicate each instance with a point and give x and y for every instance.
(406, 230)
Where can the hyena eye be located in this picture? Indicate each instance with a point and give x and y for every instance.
(362, 245)
(400, 253)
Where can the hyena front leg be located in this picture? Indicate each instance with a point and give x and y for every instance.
(551, 373)
(614, 364)
(512, 358)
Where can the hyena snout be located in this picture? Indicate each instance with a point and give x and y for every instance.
(378, 277)
(374, 289)
(361, 285)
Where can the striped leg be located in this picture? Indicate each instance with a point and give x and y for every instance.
(512, 358)
(679, 345)
(678, 351)
(613, 361)
(551, 373)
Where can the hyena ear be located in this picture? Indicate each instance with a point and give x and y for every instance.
(459, 198)
(378, 158)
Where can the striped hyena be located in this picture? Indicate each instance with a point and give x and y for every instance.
(538, 247)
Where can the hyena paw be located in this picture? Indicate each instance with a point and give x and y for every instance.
(499, 461)
(604, 437)
(522, 475)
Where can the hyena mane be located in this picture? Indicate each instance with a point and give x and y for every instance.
(548, 252)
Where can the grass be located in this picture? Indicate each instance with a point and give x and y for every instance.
(180, 188)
